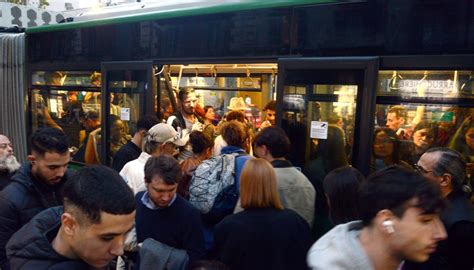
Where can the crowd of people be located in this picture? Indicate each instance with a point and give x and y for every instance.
(192, 194)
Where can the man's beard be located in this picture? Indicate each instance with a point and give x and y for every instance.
(9, 163)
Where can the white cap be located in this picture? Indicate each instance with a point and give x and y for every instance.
(164, 133)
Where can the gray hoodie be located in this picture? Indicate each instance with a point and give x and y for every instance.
(340, 249)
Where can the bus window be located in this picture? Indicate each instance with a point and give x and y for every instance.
(60, 100)
(127, 89)
(424, 119)
(321, 132)
(222, 88)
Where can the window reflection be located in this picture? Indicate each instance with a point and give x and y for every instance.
(415, 128)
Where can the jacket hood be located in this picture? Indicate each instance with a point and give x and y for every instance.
(31, 241)
(340, 249)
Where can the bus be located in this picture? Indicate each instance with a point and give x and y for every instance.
(337, 69)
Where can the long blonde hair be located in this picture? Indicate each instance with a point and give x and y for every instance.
(258, 186)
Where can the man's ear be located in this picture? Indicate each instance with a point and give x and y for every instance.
(380, 220)
(209, 151)
(142, 133)
(69, 223)
(402, 120)
(446, 180)
(31, 158)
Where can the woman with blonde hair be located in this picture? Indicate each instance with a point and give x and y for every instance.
(264, 235)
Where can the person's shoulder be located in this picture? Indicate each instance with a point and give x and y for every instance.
(138, 197)
(15, 192)
(184, 206)
(236, 221)
(338, 249)
(70, 173)
(130, 148)
(132, 167)
(126, 149)
(289, 215)
(71, 265)
(293, 177)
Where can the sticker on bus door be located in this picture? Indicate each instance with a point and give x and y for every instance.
(125, 114)
(319, 130)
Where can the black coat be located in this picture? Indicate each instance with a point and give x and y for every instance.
(5, 178)
(20, 201)
(31, 248)
(263, 238)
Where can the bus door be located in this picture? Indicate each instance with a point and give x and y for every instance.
(326, 106)
(127, 93)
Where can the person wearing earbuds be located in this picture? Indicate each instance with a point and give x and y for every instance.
(36, 186)
(400, 221)
(447, 169)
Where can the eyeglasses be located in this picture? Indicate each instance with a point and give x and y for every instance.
(4, 145)
(383, 141)
(420, 169)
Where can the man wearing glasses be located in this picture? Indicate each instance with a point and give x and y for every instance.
(447, 168)
(8, 163)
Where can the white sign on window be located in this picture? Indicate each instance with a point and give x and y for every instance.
(319, 130)
(125, 114)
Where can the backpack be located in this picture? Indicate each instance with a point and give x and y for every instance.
(214, 189)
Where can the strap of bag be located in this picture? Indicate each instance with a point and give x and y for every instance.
(236, 179)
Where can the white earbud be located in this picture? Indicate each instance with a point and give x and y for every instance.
(388, 224)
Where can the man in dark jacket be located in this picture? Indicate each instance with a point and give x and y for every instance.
(447, 168)
(133, 148)
(36, 186)
(87, 233)
(8, 163)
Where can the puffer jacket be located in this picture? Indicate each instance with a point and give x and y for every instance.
(30, 247)
(21, 200)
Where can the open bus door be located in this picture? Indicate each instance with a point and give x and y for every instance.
(127, 93)
(326, 106)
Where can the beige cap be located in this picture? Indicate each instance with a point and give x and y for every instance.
(237, 104)
(164, 133)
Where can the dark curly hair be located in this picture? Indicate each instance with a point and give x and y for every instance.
(49, 140)
(97, 189)
(200, 142)
(234, 133)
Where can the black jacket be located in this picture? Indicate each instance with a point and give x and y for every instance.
(263, 238)
(126, 153)
(20, 201)
(5, 178)
(458, 218)
(30, 247)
